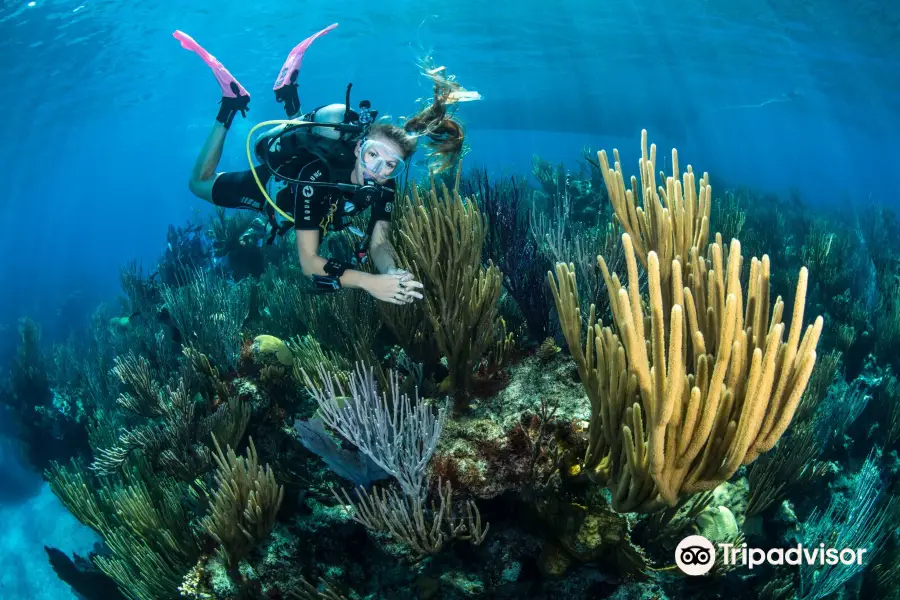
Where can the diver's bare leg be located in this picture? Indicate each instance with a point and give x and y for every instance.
(203, 176)
(235, 99)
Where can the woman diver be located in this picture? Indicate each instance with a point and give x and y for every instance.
(321, 168)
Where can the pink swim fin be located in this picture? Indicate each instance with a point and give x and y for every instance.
(231, 87)
(288, 73)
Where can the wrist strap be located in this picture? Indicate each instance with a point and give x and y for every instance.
(326, 283)
(331, 281)
(335, 268)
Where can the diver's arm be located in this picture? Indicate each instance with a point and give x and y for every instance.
(393, 288)
(313, 264)
(380, 248)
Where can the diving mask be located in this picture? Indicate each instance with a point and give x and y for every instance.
(380, 160)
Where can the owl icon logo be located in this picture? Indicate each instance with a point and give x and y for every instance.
(695, 555)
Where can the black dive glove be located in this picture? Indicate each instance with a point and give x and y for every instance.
(231, 106)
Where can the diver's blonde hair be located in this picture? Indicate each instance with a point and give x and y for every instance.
(445, 133)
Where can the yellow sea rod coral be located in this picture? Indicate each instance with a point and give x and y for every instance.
(696, 378)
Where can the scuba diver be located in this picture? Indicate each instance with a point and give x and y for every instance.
(319, 169)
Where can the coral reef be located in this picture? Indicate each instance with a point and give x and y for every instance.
(600, 368)
(50, 416)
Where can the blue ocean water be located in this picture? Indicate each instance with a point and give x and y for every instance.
(103, 114)
(33, 518)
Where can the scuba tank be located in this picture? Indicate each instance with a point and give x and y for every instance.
(334, 141)
(335, 147)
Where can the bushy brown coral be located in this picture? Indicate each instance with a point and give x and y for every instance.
(244, 505)
(439, 240)
(179, 418)
(410, 521)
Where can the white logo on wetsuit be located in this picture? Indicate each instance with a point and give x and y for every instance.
(308, 191)
(388, 207)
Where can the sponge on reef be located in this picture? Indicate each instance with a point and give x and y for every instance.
(269, 347)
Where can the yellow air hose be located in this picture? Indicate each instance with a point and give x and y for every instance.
(262, 188)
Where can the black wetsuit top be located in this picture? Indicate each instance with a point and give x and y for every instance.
(311, 206)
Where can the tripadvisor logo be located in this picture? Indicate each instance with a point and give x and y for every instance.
(696, 555)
